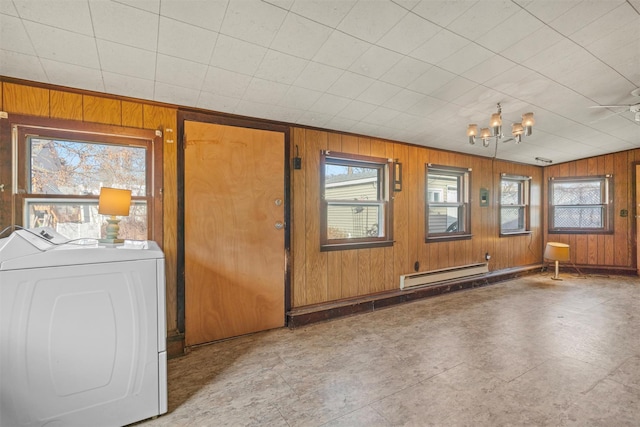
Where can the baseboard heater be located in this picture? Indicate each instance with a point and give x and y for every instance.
(441, 275)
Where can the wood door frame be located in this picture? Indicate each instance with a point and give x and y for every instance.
(219, 119)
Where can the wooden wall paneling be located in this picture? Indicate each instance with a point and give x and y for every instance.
(334, 258)
(1, 97)
(622, 232)
(389, 281)
(350, 268)
(65, 105)
(132, 115)
(102, 110)
(316, 261)
(31, 101)
(364, 255)
(298, 221)
(401, 263)
(592, 239)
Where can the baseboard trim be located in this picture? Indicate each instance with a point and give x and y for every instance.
(175, 345)
(321, 312)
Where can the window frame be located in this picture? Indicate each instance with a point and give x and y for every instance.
(384, 201)
(463, 204)
(606, 205)
(23, 127)
(524, 203)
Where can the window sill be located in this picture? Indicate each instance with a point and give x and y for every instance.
(580, 231)
(516, 233)
(445, 238)
(349, 246)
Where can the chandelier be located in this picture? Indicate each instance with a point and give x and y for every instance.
(517, 129)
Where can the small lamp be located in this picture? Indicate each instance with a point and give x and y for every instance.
(557, 252)
(113, 201)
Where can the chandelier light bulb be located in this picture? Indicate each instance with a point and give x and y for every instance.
(472, 132)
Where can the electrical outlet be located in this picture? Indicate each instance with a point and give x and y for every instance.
(487, 256)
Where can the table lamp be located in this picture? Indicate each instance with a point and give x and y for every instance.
(113, 201)
(557, 252)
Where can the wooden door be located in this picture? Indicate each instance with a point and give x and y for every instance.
(234, 235)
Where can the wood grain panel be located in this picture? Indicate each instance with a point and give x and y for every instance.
(316, 261)
(334, 258)
(401, 218)
(31, 101)
(132, 115)
(65, 105)
(298, 218)
(102, 110)
(622, 232)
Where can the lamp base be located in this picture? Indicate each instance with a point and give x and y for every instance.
(556, 277)
(112, 230)
(111, 241)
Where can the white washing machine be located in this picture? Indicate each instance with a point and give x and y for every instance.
(82, 332)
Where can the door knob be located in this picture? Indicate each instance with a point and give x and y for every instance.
(279, 225)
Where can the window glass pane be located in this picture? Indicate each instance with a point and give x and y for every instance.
(578, 217)
(353, 221)
(511, 193)
(582, 192)
(444, 219)
(78, 219)
(512, 219)
(445, 186)
(78, 168)
(351, 183)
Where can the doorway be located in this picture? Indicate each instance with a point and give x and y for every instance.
(234, 217)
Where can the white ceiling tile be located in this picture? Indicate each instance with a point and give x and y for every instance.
(283, 4)
(431, 80)
(318, 76)
(405, 71)
(13, 35)
(299, 98)
(327, 12)
(265, 91)
(375, 62)
(439, 47)
(253, 21)
(624, 58)
(378, 93)
(409, 33)
(465, 59)
(620, 19)
(186, 41)
(309, 118)
(300, 37)
(202, 13)
(518, 26)
(216, 102)
(341, 124)
(583, 14)
(63, 46)
(127, 60)
(517, 82)
(237, 55)
(282, 114)
(341, 50)
(548, 10)
(7, 8)
(180, 72)
(381, 116)
(14, 64)
(330, 104)
(549, 57)
(123, 24)
(133, 87)
(427, 106)
(369, 20)
(493, 66)
(442, 12)
(531, 45)
(148, 5)
(350, 85)
(226, 83)
(73, 75)
(280, 67)
(404, 100)
(357, 110)
(69, 15)
(482, 16)
(454, 89)
(164, 92)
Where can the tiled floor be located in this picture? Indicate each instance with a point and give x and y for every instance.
(526, 352)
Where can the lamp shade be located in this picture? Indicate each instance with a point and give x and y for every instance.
(557, 251)
(114, 201)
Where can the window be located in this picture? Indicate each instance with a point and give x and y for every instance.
(447, 203)
(60, 172)
(580, 205)
(514, 204)
(356, 202)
